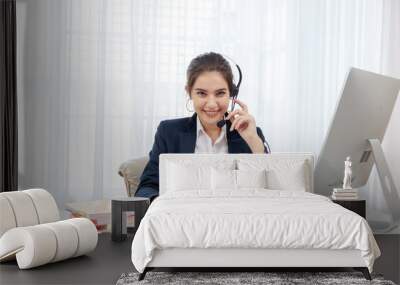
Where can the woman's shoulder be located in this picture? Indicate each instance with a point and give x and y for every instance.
(176, 123)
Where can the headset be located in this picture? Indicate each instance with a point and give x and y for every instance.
(233, 95)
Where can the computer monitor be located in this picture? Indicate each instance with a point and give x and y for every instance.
(362, 113)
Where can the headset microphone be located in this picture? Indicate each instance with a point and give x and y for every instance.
(234, 94)
(222, 123)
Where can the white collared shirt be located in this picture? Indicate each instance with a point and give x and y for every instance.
(204, 142)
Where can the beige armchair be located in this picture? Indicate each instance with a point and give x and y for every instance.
(131, 170)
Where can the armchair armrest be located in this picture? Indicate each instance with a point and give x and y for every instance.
(130, 171)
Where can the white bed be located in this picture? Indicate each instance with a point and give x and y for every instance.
(201, 219)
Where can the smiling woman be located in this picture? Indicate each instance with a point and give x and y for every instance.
(210, 87)
(210, 101)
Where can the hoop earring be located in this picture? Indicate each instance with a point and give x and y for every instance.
(187, 101)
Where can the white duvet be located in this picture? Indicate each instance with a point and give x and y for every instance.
(251, 218)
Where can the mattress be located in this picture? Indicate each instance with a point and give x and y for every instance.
(253, 218)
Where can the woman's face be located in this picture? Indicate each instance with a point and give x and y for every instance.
(210, 95)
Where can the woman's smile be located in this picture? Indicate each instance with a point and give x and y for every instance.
(211, 114)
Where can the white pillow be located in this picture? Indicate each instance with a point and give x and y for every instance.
(282, 174)
(183, 177)
(223, 179)
(228, 179)
(288, 178)
(251, 178)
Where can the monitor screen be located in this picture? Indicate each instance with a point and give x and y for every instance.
(362, 112)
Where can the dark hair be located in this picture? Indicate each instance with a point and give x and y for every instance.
(210, 61)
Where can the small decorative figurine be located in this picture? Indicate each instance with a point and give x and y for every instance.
(347, 174)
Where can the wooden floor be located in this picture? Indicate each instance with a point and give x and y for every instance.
(102, 266)
(111, 259)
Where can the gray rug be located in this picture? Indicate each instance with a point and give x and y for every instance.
(225, 278)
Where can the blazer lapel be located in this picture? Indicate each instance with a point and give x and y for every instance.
(187, 139)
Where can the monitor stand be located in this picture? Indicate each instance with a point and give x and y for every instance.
(388, 188)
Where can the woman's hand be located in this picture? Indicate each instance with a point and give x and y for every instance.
(245, 125)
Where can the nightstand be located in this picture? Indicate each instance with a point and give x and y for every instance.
(119, 207)
(357, 206)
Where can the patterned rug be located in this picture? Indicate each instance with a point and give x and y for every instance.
(229, 278)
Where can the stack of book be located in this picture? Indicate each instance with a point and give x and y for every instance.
(344, 194)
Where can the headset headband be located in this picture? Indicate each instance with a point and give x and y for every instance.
(236, 87)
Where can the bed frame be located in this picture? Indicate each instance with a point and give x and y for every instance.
(241, 258)
(256, 258)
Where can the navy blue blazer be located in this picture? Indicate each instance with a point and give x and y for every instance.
(179, 136)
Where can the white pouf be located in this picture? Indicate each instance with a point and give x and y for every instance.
(41, 244)
(7, 218)
(22, 207)
(45, 205)
(31, 233)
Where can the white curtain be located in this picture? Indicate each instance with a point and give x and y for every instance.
(97, 76)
